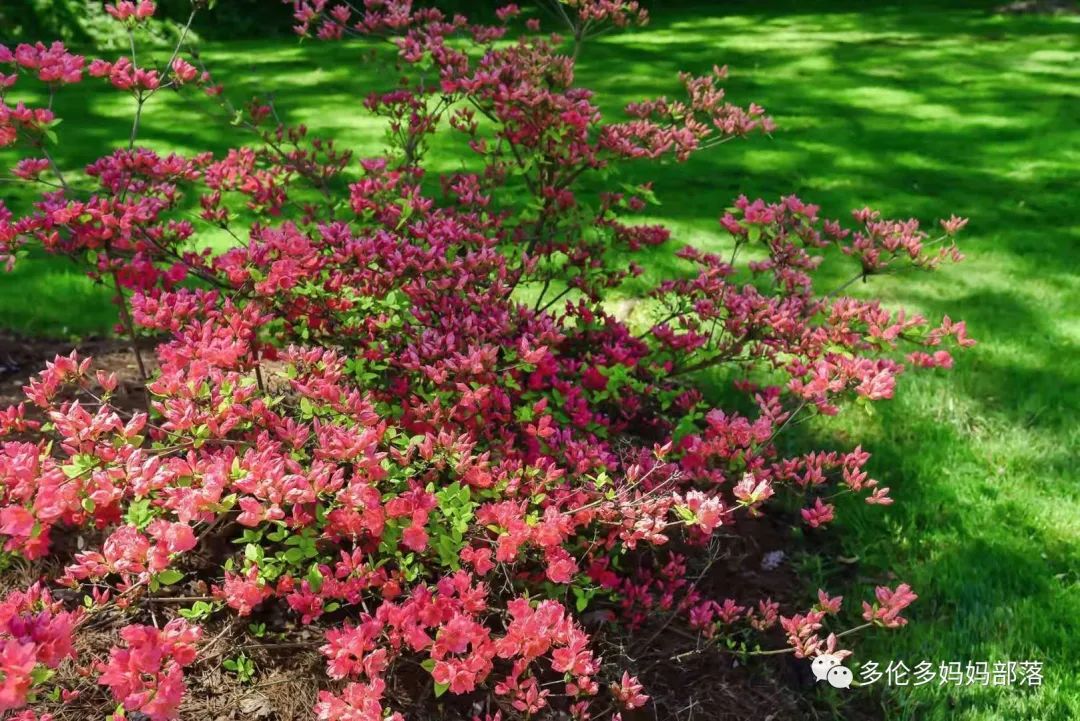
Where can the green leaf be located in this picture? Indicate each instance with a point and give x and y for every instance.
(79, 464)
(440, 688)
(198, 611)
(406, 211)
(41, 674)
(315, 578)
(139, 513)
(686, 426)
(581, 598)
(169, 576)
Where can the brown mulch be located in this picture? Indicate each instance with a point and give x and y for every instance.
(690, 679)
(687, 679)
(21, 358)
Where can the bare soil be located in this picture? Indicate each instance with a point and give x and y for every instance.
(21, 358)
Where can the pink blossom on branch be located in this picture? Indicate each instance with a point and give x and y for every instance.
(819, 514)
(886, 610)
(128, 10)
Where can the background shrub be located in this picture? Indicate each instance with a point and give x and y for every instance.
(404, 388)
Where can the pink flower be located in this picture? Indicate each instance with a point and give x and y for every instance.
(147, 675)
(507, 12)
(184, 71)
(17, 522)
(30, 168)
(752, 492)
(628, 692)
(351, 651)
(880, 497)
(33, 617)
(357, 702)
(17, 663)
(954, 224)
(478, 558)
(172, 537)
(244, 593)
(52, 63)
(560, 568)
(819, 514)
(125, 10)
(729, 611)
(25, 535)
(829, 604)
(708, 511)
(886, 611)
(415, 538)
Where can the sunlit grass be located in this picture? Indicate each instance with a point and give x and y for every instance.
(925, 112)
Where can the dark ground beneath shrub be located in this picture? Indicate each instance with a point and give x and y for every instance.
(688, 680)
(21, 358)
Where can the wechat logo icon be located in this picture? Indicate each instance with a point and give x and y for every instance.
(828, 667)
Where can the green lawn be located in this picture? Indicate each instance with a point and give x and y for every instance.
(915, 108)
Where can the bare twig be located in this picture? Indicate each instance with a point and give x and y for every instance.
(129, 328)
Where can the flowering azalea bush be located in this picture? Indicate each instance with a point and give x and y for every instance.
(396, 408)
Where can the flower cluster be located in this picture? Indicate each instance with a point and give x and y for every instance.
(126, 10)
(35, 634)
(398, 409)
(147, 674)
(886, 610)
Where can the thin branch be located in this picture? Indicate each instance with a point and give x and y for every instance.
(129, 327)
(768, 652)
(178, 599)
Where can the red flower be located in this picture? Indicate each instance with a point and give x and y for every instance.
(594, 380)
